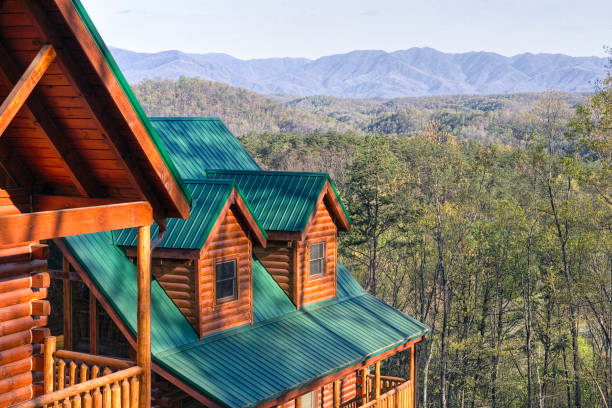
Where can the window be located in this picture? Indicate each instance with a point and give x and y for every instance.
(309, 400)
(317, 259)
(225, 276)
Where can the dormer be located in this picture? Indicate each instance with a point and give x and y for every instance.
(302, 215)
(205, 263)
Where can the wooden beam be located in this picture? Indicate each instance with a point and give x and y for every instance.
(337, 391)
(93, 324)
(67, 305)
(24, 86)
(43, 202)
(377, 380)
(79, 174)
(364, 386)
(143, 356)
(54, 224)
(48, 31)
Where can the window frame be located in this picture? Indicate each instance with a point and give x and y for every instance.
(235, 296)
(323, 259)
(314, 399)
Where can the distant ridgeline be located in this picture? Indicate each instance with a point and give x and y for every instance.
(370, 74)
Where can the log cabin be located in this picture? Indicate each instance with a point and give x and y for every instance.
(239, 301)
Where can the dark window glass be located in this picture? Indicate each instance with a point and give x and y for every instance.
(317, 259)
(226, 280)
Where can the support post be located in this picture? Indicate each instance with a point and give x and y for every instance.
(377, 381)
(413, 372)
(143, 356)
(93, 324)
(48, 361)
(364, 386)
(337, 394)
(67, 305)
(298, 402)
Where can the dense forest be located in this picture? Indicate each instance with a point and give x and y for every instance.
(488, 218)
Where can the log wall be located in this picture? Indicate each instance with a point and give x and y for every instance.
(316, 289)
(177, 277)
(229, 241)
(277, 258)
(23, 314)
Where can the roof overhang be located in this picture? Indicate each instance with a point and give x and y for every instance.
(70, 124)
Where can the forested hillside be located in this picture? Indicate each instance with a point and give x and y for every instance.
(484, 118)
(505, 250)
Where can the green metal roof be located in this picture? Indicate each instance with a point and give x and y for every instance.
(209, 197)
(282, 201)
(269, 300)
(279, 353)
(290, 351)
(197, 144)
(115, 276)
(127, 90)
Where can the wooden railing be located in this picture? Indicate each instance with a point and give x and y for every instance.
(352, 403)
(401, 396)
(387, 383)
(75, 380)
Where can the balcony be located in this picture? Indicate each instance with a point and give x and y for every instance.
(75, 380)
(395, 392)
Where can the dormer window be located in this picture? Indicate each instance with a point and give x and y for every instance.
(317, 259)
(226, 288)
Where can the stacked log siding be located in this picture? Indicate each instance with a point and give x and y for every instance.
(23, 313)
(230, 241)
(315, 289)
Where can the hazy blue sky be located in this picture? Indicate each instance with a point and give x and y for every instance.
(312, 28)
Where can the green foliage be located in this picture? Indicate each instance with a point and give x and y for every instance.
(521, 235)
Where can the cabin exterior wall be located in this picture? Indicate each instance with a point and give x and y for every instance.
(229, 242)
(313, 289)
(177, 278)
(277, 258)
(23, 314)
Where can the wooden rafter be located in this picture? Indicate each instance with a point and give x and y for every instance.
(25, 85)
(74, 166)
(74, 221)
(104, 122)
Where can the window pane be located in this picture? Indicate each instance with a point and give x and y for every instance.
(225, 279)
(226, 270)
(315, 267)
(316, 250)
(225, 289)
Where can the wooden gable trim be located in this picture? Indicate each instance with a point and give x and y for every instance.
(291, 395)
(124, 329)
(236, 200)
(334, 207)
(60, 223)
(99, 64)
(248, 218)
(43, 202)
(73, 164)
(25, 85)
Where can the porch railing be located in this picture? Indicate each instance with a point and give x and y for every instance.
(387, 383)
(401, 396)
(75, 380)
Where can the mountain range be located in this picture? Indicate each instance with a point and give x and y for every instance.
(374, 74)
